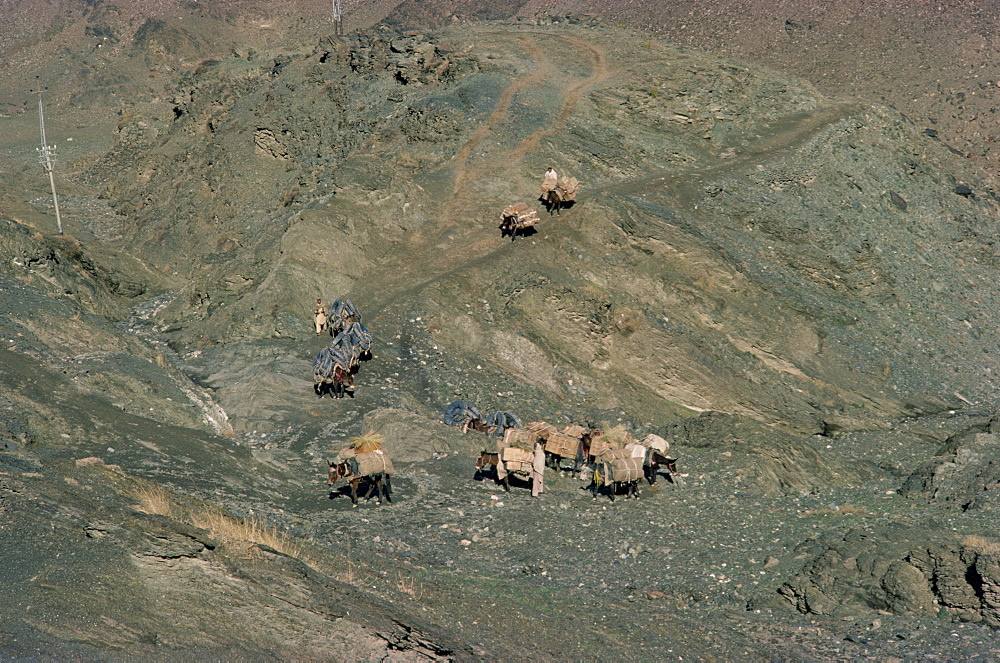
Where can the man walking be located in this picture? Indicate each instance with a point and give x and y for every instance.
(319, 317)
(538, 471)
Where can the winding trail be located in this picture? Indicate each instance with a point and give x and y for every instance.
(543, 73)
(442, 264)
(443, 253)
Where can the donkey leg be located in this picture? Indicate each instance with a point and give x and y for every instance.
(388, 488)
(354, 491)
(372, 485)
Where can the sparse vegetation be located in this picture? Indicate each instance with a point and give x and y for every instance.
(409, 586)
(236, 533)
(837, 510)
(154, 498)
(239, 535)
(981, 544)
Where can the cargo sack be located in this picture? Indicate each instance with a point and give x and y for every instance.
(622, 470)
(564, 446)
(375, 462)
(568, 186)
(635, 450)
(655, 442)
(522, 438)
(501, 421)
(614, 454)
(344, 455)
(340, 310)
(323, 366)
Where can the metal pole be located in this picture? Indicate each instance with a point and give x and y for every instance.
(45, 153)
(338, 18)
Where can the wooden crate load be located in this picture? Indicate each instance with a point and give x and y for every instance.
(562, 445)
(517, 460)
(568, 186)
(521, 438)
(519, 216)
(542, 429)
(574, 430)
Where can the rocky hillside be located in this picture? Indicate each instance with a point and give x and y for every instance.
(792, 285)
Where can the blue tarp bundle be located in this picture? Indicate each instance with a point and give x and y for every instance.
(459, 412)
(501, 421)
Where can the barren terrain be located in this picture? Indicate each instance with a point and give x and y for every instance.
(784, 269)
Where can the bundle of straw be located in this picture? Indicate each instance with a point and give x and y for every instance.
(367, 443)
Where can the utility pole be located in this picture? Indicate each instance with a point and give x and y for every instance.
(46, 154)
(338, 18)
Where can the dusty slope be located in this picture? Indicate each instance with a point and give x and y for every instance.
(933, 61)
(744, 245)
(747, 246)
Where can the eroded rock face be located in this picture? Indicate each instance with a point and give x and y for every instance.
(772, 460)
(896, 569)
(964, 474)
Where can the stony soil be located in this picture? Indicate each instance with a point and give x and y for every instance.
(796, 290)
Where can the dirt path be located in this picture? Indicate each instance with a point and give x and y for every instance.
(544, 72)
(571, 95)
(783, 136)
(443, 263)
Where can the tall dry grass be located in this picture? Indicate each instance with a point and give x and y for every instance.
(237, 532)
(981, 544)
(239, 535)
(154, 498)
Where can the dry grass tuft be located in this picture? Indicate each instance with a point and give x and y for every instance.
(235, 533)
(981, 544)
(409, 586)
(154, 499)
(627, 321)
(370, 441)
(241, 537)
(617, 436)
